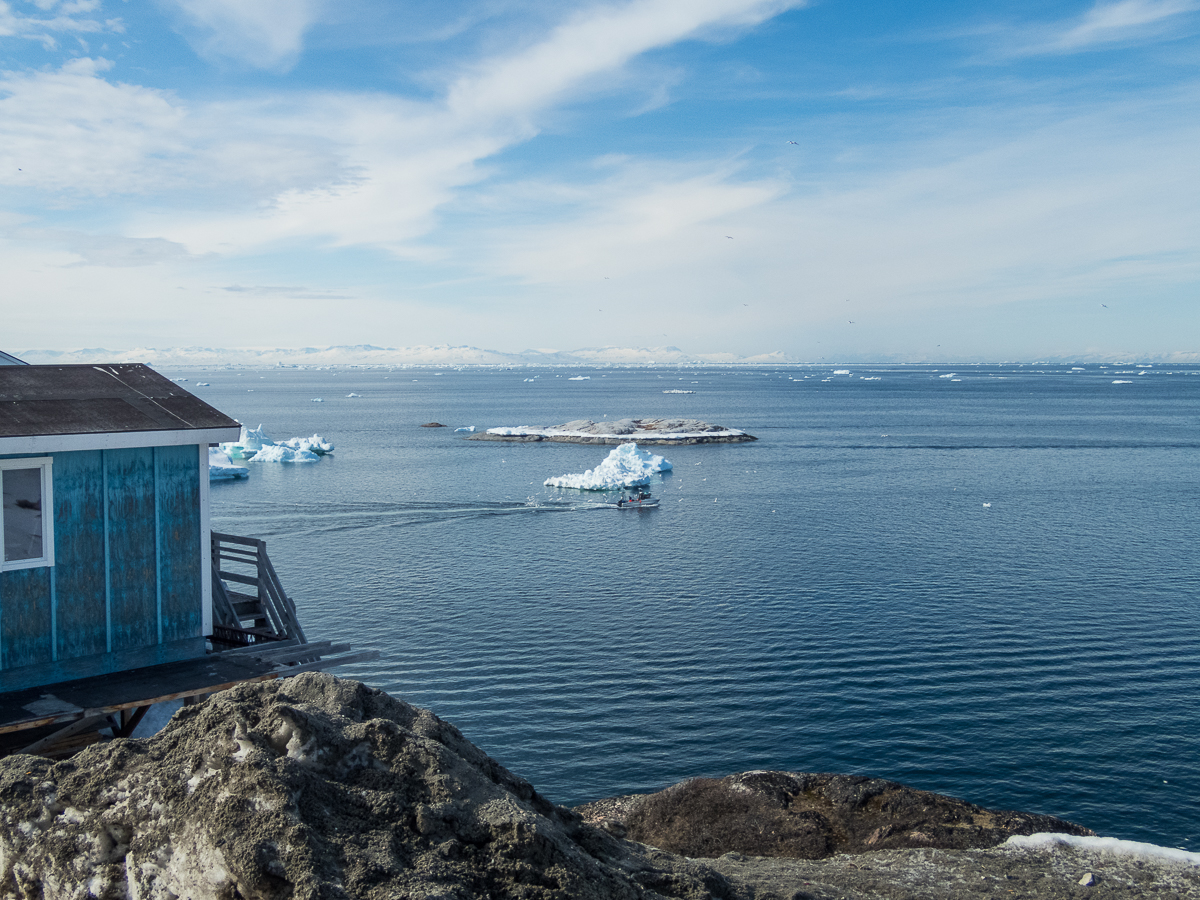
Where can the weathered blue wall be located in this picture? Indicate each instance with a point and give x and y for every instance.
(127, 571)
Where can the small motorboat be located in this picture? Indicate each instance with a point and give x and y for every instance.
(638, 499)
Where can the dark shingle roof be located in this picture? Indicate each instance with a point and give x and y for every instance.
(37, 400)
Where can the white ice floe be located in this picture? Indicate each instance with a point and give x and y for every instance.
(948, 375)
(221, 467)
(841, 371)
(580, 378)
(1121, 381)
(677, 391)
(1113, 846)
(255, 446)
(352, 394)
(283, 454)
(625, 466)
(467, 428)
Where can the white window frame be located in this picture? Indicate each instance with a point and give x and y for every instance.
(46, 465)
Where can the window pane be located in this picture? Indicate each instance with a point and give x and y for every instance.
(22, 514)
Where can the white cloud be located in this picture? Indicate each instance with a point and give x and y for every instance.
(71, 18)
(1108, 22)
(1103, 25)
(73, 133)
(267, 34)
(1099, 203)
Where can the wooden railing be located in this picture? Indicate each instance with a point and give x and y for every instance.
(242, 618)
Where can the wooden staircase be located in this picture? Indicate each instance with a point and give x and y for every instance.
(249, 604)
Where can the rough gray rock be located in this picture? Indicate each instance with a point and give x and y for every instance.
(310, 787)
(316, 787)
(1000, 872)
(809, 816)
(651, 432)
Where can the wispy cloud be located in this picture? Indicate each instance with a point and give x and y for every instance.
(1105, 24)
(74, 17)
(266, 34)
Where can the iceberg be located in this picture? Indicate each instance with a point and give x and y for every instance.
(255, 446)
(315, 444)
(469, 429)
(284, 454)
(625, 466)
(248, 443)
(221, 467)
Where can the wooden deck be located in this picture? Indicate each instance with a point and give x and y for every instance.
(53, 716)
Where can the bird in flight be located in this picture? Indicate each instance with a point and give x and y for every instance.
(730, 236)
(793, 142)
(1105, 305)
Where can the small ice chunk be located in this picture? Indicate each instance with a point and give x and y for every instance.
(1122, 381)
(352, 394)
(248, 443)
(318, 400)
(625, 466)
(221, 467)
(580, 378)
(467, 428)
(841, 371)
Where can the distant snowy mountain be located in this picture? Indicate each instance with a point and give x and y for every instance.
(367, 354)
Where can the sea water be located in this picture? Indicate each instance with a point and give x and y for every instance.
(978, 580)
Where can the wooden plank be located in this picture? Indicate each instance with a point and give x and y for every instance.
(79, 554)
(65, 732)
(132, 569)
(223, 611)
(179, 541)
(260, 649)
(235, 539)
(275, 653)
(129, 689)
(25, 627)
(239, 578)
(323, 664)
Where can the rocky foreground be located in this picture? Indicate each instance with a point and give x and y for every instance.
(317, 787)
(651, 432)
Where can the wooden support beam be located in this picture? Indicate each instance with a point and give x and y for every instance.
(92, 723)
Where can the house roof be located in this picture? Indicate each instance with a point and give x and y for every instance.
(109, 399)
(7, 359)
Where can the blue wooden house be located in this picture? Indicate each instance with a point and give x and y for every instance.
(114, 593)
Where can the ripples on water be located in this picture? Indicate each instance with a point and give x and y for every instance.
(834, 597)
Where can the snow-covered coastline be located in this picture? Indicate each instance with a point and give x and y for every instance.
(654, 432)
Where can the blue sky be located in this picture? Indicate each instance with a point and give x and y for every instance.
(991, 181)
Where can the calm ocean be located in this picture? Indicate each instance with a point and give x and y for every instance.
(838, 596)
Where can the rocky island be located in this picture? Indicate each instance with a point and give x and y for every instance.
(653, 432)
(321, 788)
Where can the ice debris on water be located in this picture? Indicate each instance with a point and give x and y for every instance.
(625, 466)
(221, 467)
(255, 446)
(467, 428)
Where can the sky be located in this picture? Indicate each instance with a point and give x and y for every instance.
(993, 181)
